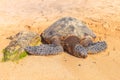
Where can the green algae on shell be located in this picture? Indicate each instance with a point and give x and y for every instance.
(15, 50)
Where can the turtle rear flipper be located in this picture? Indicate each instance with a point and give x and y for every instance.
(96, 47)
(44, 49)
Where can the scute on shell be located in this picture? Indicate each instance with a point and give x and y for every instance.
(65, 27)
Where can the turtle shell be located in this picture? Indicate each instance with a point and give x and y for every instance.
(67, 26)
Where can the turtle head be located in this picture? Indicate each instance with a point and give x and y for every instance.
(72, 46)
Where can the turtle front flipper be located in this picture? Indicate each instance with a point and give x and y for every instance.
(44, 49)
(80, 51)
(96, 47)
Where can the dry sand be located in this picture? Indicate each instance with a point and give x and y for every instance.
(102, 16)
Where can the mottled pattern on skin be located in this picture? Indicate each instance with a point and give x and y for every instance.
(44, 49)
(68, 34)
(79, 51)
(96, 47)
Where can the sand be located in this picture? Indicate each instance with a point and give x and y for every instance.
(102, 16)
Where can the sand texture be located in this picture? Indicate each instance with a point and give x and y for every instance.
(102, 16)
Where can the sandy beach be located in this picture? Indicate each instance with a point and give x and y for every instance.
(102, 16)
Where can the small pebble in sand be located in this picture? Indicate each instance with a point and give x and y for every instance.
(94, 62)
(114, 49)
(79, 64)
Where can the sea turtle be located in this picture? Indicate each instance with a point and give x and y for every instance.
(68, 34)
